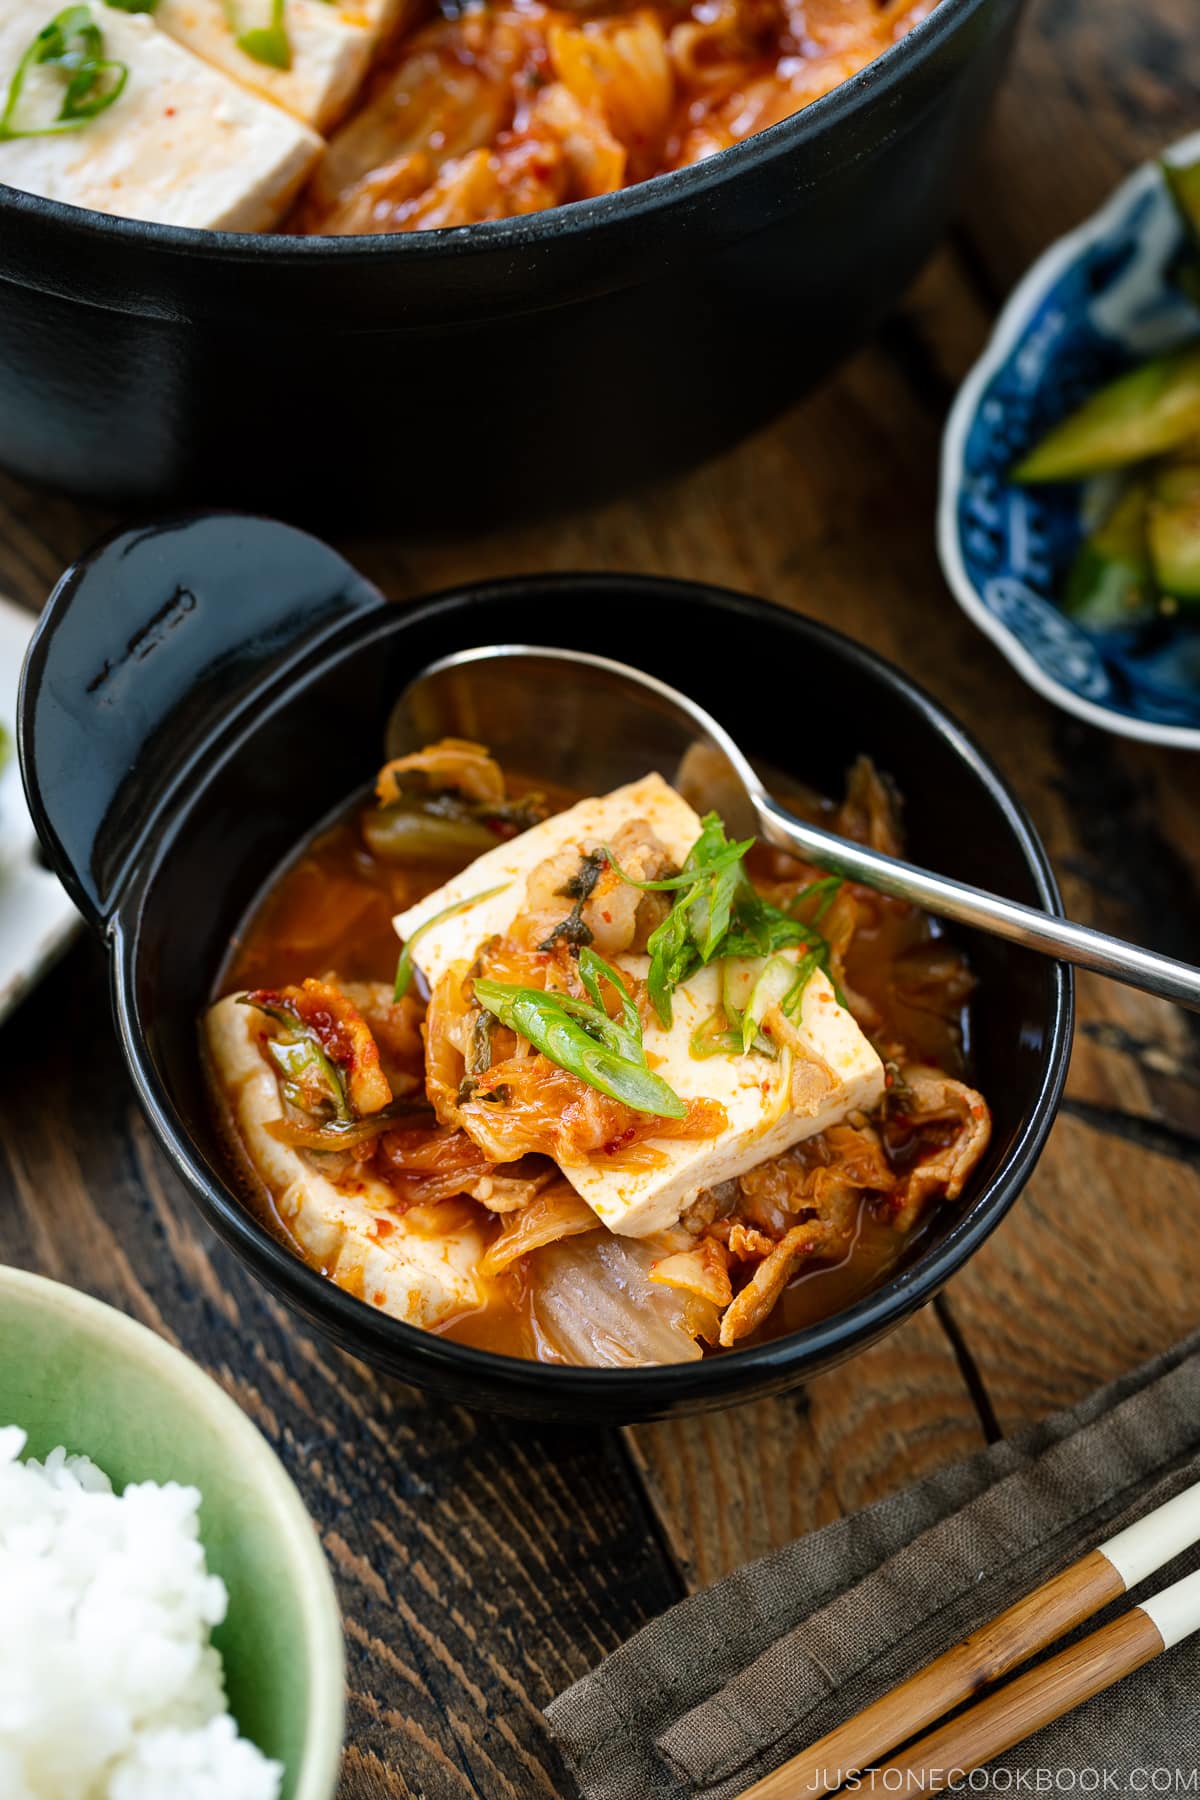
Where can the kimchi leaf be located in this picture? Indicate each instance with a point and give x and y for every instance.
(306, 1069)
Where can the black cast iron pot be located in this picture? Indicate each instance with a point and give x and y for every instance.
(199, 695)
(459, 375)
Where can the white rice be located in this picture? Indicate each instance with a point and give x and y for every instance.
(110, 1688)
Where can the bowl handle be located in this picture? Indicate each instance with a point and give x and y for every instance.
(148, 647)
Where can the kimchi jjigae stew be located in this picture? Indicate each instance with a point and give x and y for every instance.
(351, 117)
(587, 1080)
(490, 111)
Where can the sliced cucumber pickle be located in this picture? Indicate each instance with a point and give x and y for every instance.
(1152, 409)
(1173, 531)
(1184, 183)
(1112, 579)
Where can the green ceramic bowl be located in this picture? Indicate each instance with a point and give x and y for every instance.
(74, 1372)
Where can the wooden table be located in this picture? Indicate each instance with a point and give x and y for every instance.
(483, 1565)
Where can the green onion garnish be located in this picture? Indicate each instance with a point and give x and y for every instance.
(73, 45)
(827, 886)
(578, 1035)
(404, 968)
(716, 1037)
(719, 913)
(267, 43)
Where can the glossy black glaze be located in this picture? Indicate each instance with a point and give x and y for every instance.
(227, 602)
(464, 374)
(229, 791)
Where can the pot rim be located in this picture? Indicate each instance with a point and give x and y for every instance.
(532, 231)
(395, 1344)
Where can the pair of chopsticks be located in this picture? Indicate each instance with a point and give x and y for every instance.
(1023, 1706)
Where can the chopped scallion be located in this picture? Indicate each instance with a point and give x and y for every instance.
(71, 44)
(404, 968)
(578, 1035)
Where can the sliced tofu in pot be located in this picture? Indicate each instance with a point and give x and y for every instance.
(330, 46)
(181, 145)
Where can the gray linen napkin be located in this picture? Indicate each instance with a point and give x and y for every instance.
(729, 1683)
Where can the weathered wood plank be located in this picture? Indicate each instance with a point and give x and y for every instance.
(732, 1486)
(481, 1565)
(1095, 1270)
(1099, 1266)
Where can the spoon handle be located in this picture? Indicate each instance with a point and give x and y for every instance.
(1025, 925)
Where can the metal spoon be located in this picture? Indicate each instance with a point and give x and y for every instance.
(606, 723)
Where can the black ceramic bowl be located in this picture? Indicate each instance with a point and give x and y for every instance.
(527, 363)
(200, 694)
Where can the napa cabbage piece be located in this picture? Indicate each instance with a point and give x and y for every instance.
(595, 1304)
(555, 1213)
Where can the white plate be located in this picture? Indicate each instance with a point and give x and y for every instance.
(37, 916)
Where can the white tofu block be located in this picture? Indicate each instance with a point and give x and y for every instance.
(348, 1230)
(331, 47)
(582, 827)
(769, 1104)
(181, 145)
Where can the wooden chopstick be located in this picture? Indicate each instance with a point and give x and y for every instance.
(1041, 1695)
(1016, 1634)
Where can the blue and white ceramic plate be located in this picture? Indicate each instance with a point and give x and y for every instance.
(1098, 301)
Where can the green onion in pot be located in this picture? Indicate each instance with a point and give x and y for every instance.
(720, 915)
(72, 45)
(269, 43)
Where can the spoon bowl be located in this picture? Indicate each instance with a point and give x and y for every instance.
(609, 724)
